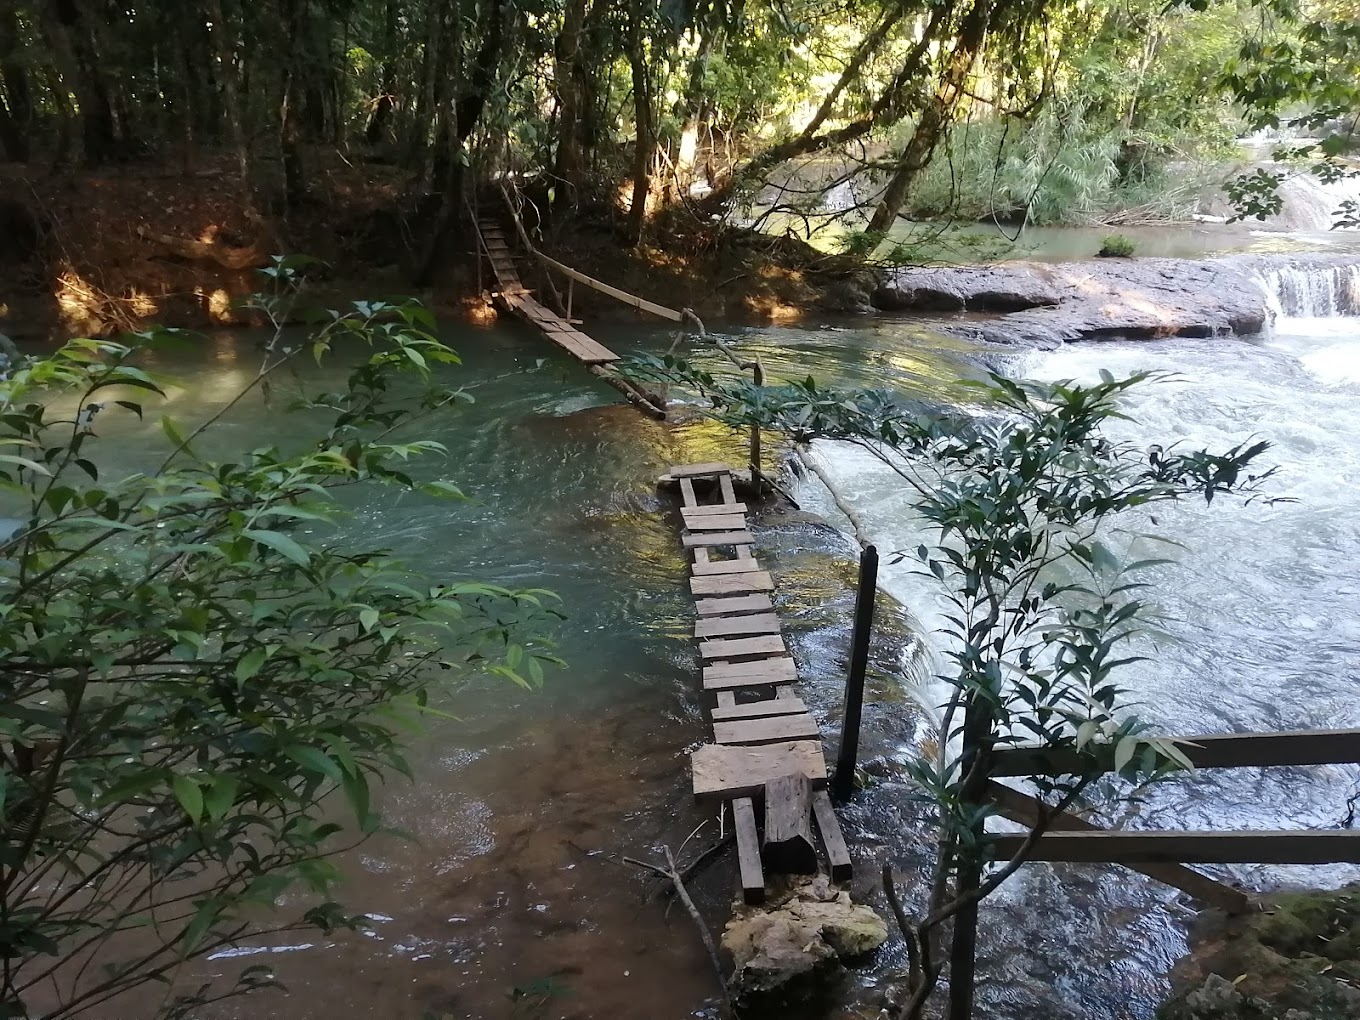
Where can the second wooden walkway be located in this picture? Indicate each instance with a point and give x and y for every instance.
(763, 733)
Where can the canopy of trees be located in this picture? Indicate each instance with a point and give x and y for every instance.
(637, 100)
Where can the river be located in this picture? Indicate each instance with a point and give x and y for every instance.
(507, 893)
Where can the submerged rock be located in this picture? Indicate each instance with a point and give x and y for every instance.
(790, 947)
(1045, 304)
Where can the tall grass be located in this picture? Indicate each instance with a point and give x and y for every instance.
(1055, 170)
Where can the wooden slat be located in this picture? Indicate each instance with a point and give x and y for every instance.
(722, 770)
(687, 491)
(734, 606)
(712, 509)
(731, 584)
(1021, 807)
(729, 494)
(837, 853)
(731, 626)
(757, 709)
(1219, 750)
(742, 566)
(761, 671)
(748, 850)
(715, 522)
(697, 470)
(1116, 847)
(718, 538)
(767, 730)
(734, 648)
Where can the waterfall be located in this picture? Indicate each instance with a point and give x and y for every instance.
(1313, 293)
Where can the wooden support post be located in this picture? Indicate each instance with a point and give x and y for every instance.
(748, 851)
(843, 782)
(758, 378)
(571, 292)
(788, 847)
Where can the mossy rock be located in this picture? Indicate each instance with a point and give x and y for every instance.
(1299, 959)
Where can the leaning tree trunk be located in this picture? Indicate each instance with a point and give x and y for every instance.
(938, 114)
(645, 147)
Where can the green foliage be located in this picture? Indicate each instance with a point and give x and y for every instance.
(1116, 246)
(199, 670)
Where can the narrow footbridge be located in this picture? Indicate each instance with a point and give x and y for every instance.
(558, 327)
(766, 751)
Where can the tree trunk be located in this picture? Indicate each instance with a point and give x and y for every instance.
(13, 142)
(18, 97)
(694, 104)
(225, 48)
(420, 155)
(645, 146)
(290, 132)
(938, 114)
(567, 80)
(74, 51)
(376, 131)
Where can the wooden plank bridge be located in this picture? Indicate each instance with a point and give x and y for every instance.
(766, 751)
(558, 328)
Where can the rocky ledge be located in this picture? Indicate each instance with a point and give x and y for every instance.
(1044, 304)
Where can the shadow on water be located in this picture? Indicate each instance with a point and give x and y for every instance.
(506, 903)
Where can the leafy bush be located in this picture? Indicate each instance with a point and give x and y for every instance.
(189, 678)
(1116, 246)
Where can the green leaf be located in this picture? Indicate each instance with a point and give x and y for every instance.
(315, 761)
(1124, 752)
(190, 797)
(250, 664)
(221, 796)
(368, 618)
(281, 544)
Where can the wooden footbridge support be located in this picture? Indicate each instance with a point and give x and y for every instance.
(766, 756)
(512, 296)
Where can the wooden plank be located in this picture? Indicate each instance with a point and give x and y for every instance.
(742, 566)
(768, 730)
(837, 853)
(1021, 807)
(732, 584)
(748, 851)
(711, 509)
(734, 606)
(757, 709)
(620, 295)
(1117, 847)
(697, 470)
(729, 494)
(760, 671)
(687, 491)
(721, 770)
(716, 522)
(718, 538)
(787, 848)
(1215, 751)
(735, 648)
(730, 626)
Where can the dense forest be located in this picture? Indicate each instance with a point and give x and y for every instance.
(1045, 106)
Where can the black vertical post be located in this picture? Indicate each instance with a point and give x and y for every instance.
(843, 782)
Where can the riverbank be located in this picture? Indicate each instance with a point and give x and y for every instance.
(99, 252)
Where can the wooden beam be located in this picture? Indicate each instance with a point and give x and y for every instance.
(712, 510)
(620, 295)
(1215, 751)
(837, 853)
(696, 470)
(1021, 807)
(748, 850)
(716, 522)
(1116, 847)
(788, 848)
(763, 673)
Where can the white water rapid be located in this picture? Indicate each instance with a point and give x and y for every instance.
(1262, 609)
